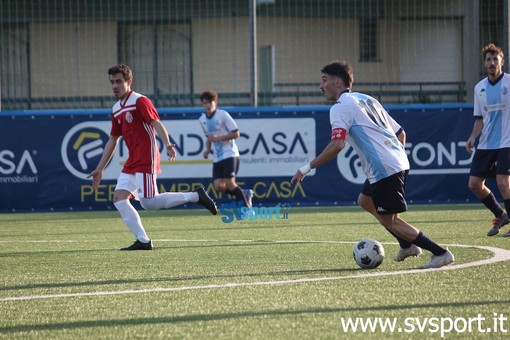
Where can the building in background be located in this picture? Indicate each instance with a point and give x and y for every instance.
(54, 54)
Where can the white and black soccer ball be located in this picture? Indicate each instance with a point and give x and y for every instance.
(368, 253)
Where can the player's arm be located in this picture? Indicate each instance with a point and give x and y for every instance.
(330, 152)
(218, 138)
(478, 125)
(477, 129)
(108, 151)
(163, 134)
(207, 150)
(401, 136)
(230, 125)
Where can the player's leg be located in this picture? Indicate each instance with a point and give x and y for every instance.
(151, 199)
(248, 193)
(123, 192)
(230, 169)
(389, 201)
(219, 178)
(220, 185)
(440, 256)
(407, 249)
(483, 166)
(503, 182)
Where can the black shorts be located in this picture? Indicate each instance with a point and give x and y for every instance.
(226, 168)
(388, 194)
(367, 191)
(489, 163)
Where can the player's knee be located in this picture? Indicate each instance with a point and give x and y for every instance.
(361, 203)
(503, 188)
(120, 196)
(220, 186)
(365, 203)
(148, 203)
(474, 186)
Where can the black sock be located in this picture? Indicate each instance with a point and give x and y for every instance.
(493, 205)
(424, 242)
(239, 195)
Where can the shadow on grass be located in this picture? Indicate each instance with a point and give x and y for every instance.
(254, 243)
(229, 316)
(179, 279)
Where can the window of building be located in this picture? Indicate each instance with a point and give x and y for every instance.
(368, 39)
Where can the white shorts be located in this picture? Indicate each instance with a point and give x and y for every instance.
(141, 185)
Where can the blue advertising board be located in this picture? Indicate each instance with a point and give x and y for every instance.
(45, 157)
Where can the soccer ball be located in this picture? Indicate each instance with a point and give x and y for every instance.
(368, 253)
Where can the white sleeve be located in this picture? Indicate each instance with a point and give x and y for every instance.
(230, 123)
(203, 125)
(340, 117)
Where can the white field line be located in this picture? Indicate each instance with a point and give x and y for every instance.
(500, 255)
(39, 241)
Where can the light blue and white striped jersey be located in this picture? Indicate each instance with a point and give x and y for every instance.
(492, 103)
(220, 123)
(371, 132)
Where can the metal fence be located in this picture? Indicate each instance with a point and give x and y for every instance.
(253, 53)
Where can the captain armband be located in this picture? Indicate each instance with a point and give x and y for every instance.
(338, 134)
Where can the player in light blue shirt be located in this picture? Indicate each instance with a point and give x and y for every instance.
(221, 131)
(492, 126)
(362, 121)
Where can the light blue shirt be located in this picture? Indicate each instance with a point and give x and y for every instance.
(370, 130)
(492, 103)
(220, 123)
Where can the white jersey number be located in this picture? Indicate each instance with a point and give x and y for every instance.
(374, 112)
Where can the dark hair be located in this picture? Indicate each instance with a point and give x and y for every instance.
(491, 48)
(209, 95)
(121, 68)
(341, 69)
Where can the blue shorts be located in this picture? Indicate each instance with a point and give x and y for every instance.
(489, 163)
(388, 194)
(226, 168)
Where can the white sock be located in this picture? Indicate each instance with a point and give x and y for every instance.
(132, 220)
(168, 200)
(173, 199)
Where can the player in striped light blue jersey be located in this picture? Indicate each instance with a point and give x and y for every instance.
(221, 131)
(362, 121)
(492, 126)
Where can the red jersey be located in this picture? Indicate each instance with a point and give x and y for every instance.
(131, 118)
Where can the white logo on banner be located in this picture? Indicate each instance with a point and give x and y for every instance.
(83, 146)
(349, 165)
(269, 147)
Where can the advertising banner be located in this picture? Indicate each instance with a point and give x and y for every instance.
(45, 157)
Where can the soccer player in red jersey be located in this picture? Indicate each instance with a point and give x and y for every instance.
(135, 119)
